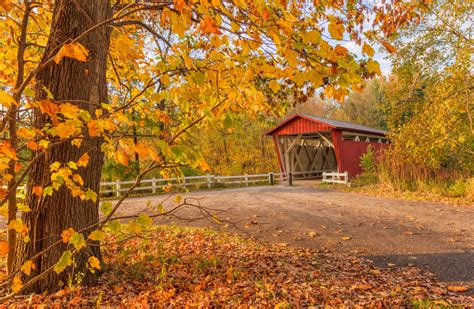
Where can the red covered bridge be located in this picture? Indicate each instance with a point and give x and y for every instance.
(309, 145)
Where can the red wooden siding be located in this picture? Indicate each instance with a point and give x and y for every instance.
(351, 151)
(300, 125)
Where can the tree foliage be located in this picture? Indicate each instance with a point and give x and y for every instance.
(126, 80)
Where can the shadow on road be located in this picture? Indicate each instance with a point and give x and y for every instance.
(461, 264)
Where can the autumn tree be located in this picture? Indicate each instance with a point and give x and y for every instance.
(429, 99)
(87, 79)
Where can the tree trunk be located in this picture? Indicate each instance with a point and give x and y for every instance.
(78, 82)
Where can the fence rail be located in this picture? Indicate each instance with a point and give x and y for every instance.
(335, 177)
(159, 185)
(156, 185)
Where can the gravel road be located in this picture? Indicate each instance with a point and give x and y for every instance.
(390, 232)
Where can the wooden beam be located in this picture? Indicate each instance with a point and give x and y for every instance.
(295, 141)
(326, 140)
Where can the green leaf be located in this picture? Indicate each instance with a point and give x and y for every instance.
(105, 208)
(91, 195)
(97, 235)
(64, 262)
(114, 226)
(77, 240)
(72, 165)
(144, 220)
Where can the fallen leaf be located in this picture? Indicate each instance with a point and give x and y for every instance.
(457, 288)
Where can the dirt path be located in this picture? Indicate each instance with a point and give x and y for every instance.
(387, 231)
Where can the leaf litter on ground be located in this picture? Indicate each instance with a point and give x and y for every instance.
(175, 266)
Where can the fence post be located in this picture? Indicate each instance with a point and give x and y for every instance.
(117, 188)
(346, 177)
(184, 182)
(290, 179)
(153, 185)
(271, 179)
(246, 180)
(209, 184)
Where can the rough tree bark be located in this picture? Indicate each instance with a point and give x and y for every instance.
(78, 82)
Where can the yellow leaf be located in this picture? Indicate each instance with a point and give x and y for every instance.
(6, 99)
(274, 86)
(122, 157)
(70, 111)
(72, 50)
(18, 226)
(66, 235)
(292, 57)
(3, 248)
(364, 287)
(313, 36)
(373, 67)
(17, 284)
(83, 160)
(336, 30)
(345, 238)
(27, 267)
(368, 50)
(389, 47)
(94, 262)
(65, 129)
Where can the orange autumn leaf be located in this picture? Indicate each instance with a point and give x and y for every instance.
(72, 50)
(363, 287)
(6, 5)
(8, 151)
(389, 47)
(208, 26)
(457, 288)
(3, 248)
(47, 107)
(38, 190)
(266, 14)
(17, 284)
(66, 234)
(83, 160)
(32, 145)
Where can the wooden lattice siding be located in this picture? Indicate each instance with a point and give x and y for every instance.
(300, 125)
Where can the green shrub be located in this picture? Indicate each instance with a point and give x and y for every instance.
(368, 165)
(460, 188)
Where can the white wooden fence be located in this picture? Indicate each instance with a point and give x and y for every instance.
(335, 177)
(156, 185)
